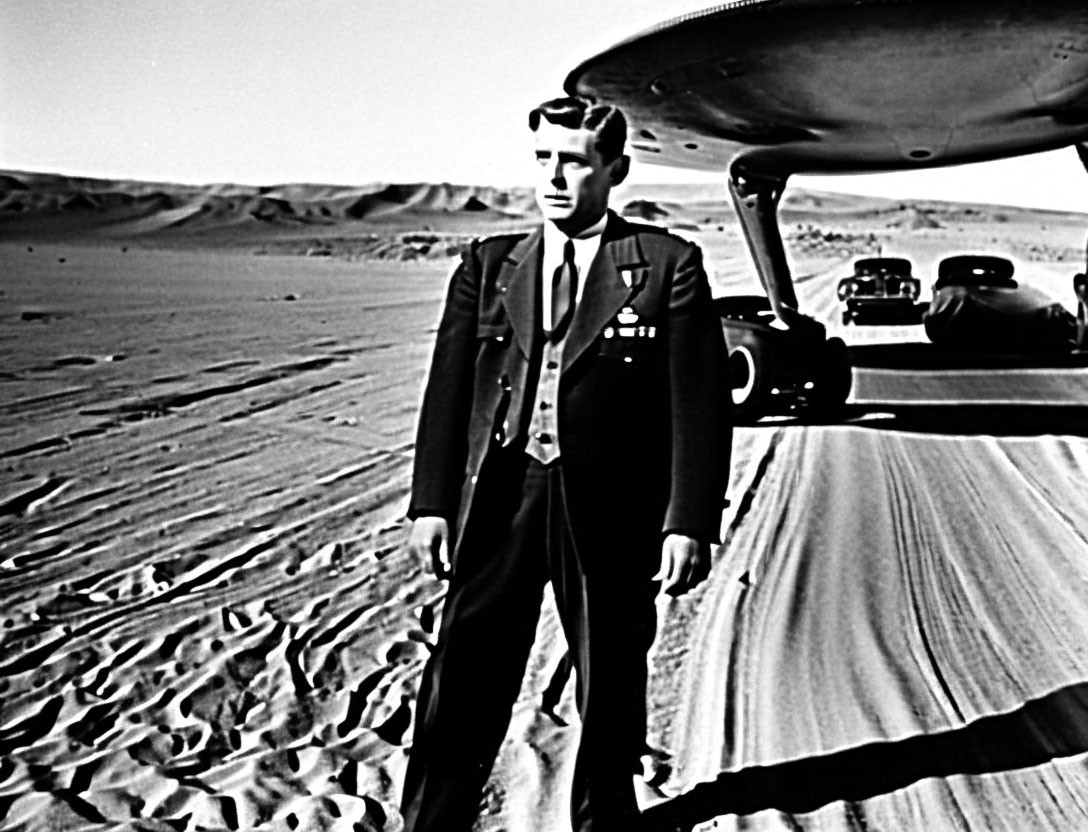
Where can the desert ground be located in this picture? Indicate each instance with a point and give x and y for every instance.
(209, 619)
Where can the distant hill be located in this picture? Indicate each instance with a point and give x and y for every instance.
(396, 220)
(379, 219)
(121, 202)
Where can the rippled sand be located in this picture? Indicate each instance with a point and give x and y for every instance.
(209, 621)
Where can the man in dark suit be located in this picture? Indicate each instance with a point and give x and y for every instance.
(575, 429)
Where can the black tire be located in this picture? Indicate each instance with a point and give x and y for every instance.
(750, 372)
(833, 380)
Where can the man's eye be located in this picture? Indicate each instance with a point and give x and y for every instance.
(542, 158)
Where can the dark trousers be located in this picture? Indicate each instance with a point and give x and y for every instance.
(521, 540)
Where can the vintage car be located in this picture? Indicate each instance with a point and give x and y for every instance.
(978, 305)
(778, 371)
(881, 290)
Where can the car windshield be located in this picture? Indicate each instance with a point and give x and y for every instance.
(882, 265)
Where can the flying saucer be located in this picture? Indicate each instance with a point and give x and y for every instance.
(835, 86)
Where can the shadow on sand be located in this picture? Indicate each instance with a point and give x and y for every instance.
(956, 417)
(926, 356)
(1042, 730)
(965, 419)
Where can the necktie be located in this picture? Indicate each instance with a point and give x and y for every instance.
(564, 291)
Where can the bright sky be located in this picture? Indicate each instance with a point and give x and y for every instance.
(350, 92)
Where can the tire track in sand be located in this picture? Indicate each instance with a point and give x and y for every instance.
(886, 586)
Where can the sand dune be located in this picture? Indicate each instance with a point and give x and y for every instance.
(43, 204)
(210, 622)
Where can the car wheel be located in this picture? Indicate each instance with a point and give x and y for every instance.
(834, 378)
(750, 377)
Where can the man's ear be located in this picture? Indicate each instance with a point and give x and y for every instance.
(620, 168)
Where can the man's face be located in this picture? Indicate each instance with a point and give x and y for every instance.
(573, 180)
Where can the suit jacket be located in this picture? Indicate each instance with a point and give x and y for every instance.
(644, 408)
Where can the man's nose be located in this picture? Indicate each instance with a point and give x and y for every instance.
(557, 173)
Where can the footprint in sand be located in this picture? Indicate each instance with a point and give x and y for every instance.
(392, 730)
(74, 361)
(44, 316)
(357, 702)
(401, 652)
(426, 617)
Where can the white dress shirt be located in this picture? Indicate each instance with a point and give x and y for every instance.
(586, 246)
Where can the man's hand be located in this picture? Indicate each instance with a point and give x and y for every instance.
(429, 539)
(685, 563)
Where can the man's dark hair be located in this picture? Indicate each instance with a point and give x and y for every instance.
(606, 121)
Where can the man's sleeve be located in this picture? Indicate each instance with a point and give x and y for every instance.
(701, 405)
(442, 436)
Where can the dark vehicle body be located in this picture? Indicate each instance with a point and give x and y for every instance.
(881, 290)
(977, 305)
(775, 371)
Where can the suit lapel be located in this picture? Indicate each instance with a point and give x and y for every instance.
(518, 283)
(605, 291)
